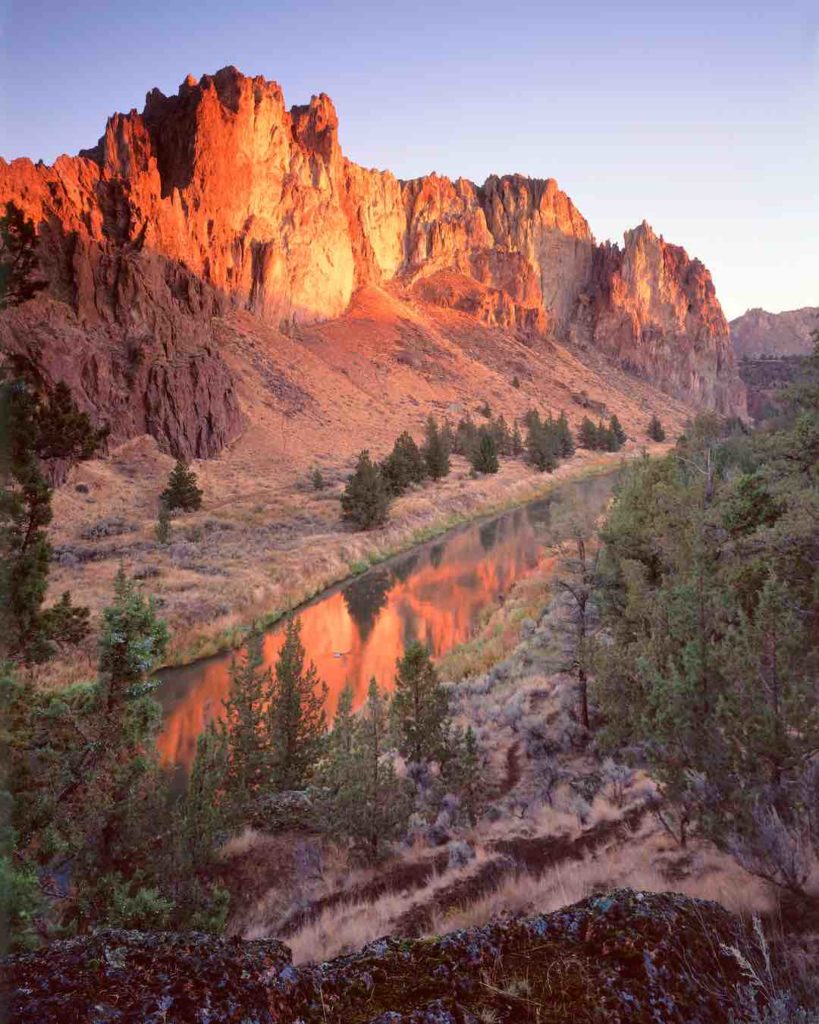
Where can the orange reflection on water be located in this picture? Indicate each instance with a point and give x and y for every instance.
(435, 594)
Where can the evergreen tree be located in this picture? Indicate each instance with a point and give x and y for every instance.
(435, 454)
(447, 440)
(18, 258)
(466, 437)
(296, 721)
(317, 479)
(369, 804)
(404, 465)
(516, 381)
(365, 501)
(619, 434)
(655, 429)
(247, 741)
(463, 772)
(205, 811)
(606, 441)
(485, 458)
(543, 445)
(587, 436)
(516, 444)
(162, 532)
(420, 710)
(35, 434)
(565, 435)
(501, 435)
(182, 491)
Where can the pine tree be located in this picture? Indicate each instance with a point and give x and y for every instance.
(587, 435)
(655, 429)
(248, 744)
(296, 720)
(501, 435)
(368, 802)
(162, 532)
(182, 490)
(18, 258)
(435, 454)
(616, 429)
(420, 710)
(317, 479)
(466, 437)
(485, 458)
(365, 501)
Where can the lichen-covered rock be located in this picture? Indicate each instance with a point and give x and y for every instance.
(125, 977)
(620, 957)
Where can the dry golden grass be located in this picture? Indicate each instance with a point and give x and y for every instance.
(647, 861)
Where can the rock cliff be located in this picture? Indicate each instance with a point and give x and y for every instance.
(621, 957)
(220, 196)
(759, 334)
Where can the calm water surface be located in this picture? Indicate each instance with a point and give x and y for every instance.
(435, 593)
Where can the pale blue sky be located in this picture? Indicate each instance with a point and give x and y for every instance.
(702, 118)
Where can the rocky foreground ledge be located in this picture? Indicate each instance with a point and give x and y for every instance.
(623, 956)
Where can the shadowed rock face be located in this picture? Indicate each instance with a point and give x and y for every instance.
(621, 957)
(221, 196)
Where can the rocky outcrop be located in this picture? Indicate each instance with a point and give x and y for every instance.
(758, 334)
(621, 957)
(221, 196)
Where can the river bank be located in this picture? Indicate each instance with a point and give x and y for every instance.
(250, 556)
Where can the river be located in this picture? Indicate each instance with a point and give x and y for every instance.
(435, 593)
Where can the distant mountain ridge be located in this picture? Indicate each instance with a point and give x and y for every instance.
(758, 333)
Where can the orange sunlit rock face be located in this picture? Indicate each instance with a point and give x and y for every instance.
(435, 594)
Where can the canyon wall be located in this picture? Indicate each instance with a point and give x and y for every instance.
(221, 196)
(758, 334)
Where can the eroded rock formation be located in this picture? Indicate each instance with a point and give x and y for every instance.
(220, 195)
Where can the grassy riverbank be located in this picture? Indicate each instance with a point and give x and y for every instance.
(250, 559)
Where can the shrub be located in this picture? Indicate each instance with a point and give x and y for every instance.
(365, 502)
(182, 491)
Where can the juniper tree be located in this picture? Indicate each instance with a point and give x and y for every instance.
(485, 458)
(182, 490)
(365, 501)
(655, 429)
(296, 721)
(419, 711)
(434, 450)
(317, 479)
